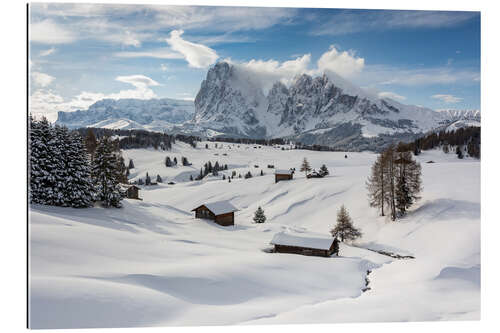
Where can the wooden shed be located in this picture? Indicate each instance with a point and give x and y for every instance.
(131, 191)
(283, 175)
(309, 246)
(221, 212)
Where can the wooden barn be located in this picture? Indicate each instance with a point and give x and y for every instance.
(283, 175)
(309, 246)
(131, 191)
(221, 212)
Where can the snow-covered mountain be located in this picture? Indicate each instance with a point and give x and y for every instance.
(152, 114)
(455, 119)
(322, 110)
(325, 110)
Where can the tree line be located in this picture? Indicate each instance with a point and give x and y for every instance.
(64, 173)
(466, 139)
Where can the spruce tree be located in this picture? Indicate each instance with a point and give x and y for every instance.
(105, 174)
(131, 164)
(79, 189)
(344, 228)
(159, 179)
(148, 179)
(168, 162)
(305, 167)
(323, 171)
(259, 216)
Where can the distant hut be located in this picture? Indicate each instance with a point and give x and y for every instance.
(131, 191)
(283, 175)
(221, 212)
(309, 246)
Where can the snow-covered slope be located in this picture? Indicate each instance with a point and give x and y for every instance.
(151, 263)
(152, 114)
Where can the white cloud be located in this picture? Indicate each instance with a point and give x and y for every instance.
(163, 67)
(449, 99)
(163, 53)
(197, 55)
(48, 32)
(47, 52)
(41, 79)
(392, 95)
(138, 81)
(47, 103)
(267, 72)
(344, 63)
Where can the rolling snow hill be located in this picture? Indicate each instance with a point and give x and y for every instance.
(151, 263)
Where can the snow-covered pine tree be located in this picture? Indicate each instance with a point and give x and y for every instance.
(259, 216)
(105, 174)
(344, 229)
(324, 171)
(79, 188)
(305, 167)
(44, 163)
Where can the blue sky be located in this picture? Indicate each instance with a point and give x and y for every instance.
(81, 53)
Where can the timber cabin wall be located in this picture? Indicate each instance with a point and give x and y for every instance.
(278, 177)
(225, 219)
(204, 213)
(133, 193)
(303, 250)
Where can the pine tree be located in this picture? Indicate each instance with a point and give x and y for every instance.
(259, 216)
(191, 177)
(105, 174)
(148, 179)
(158, 179)
(175, 160)
(408, 182)
(44, 163)
(140, 182)
(305, 167)
(79, 187)
(168, 162)
(344, 228)
(229, 179)
(323, 171)
(131, 164)
(261, 172)
(459, 152)
(223, 177)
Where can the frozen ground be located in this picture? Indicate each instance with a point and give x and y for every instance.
(152, 264)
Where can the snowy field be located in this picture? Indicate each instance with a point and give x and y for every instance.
(151, 263)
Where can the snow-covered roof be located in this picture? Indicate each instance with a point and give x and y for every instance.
(321, 243)
(219, 207)
(283, 172)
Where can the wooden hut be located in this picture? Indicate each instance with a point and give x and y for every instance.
(283, 175)
(309, 246)
(221, 212)
(131, 191)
